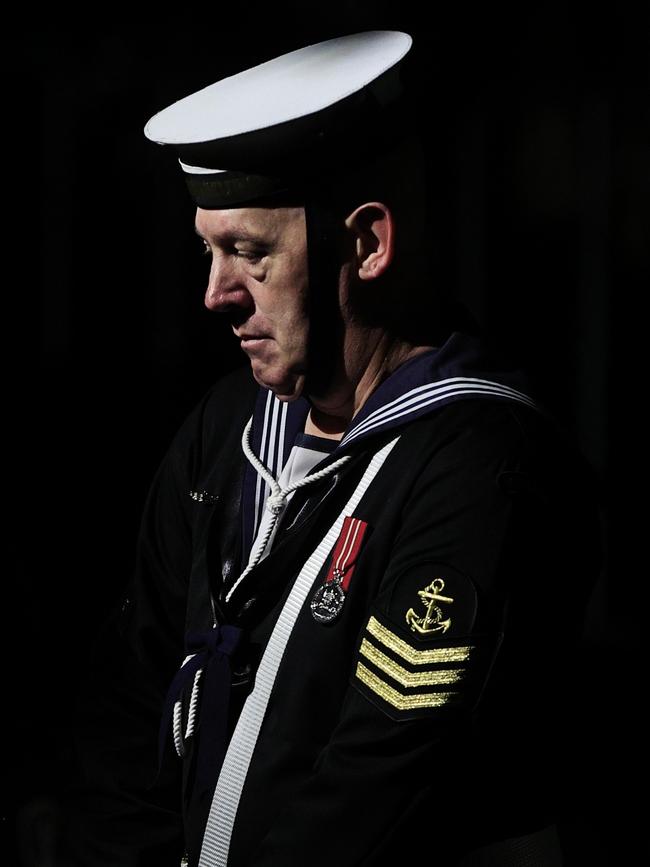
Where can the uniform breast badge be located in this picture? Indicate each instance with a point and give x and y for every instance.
(328, 600)
(431, 622)
(204, 497)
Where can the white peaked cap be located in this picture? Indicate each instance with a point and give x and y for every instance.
(289, 122)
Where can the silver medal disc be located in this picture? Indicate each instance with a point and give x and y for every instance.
(327, 602)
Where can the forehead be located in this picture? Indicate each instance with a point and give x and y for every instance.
(252, 223)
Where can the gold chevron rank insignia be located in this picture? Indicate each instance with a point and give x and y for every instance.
(410, 676)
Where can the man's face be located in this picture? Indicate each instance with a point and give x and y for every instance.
(259, 278)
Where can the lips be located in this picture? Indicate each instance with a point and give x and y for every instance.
(249, 337)
(246, 336)
(252, 343)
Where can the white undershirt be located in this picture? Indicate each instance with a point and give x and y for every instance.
(300, 461)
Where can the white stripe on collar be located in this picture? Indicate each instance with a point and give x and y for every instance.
(281, 438)
(271, 450)
(261, 487)
(409, 404)
(424, 395)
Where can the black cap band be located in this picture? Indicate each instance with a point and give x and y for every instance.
(231, 189)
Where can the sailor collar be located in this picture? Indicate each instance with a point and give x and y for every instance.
(463, 367)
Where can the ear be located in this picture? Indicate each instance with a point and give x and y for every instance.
(373, 227)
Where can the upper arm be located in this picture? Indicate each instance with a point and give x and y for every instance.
(503, 528)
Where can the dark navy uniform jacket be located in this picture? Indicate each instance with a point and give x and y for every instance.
(377, 740)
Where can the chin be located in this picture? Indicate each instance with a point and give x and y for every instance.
(285, 385)
(294, 393)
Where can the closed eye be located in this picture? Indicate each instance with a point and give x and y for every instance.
(248, 255)
(244, 254)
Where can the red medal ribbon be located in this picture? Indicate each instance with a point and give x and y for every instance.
(346, 551)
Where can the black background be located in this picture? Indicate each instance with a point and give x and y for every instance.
(538, 124)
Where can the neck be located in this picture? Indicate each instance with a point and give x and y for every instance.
(354, 382)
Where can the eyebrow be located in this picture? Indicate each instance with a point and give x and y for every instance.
(237, 233)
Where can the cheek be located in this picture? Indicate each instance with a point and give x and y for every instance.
(286, 301)
(300, 284)
(300, 325)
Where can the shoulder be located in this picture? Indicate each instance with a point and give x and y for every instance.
(518, 446)
(491, 471)
(216, 421)
(525, 463)
(229, 398)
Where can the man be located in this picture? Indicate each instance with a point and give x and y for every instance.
(364, 559)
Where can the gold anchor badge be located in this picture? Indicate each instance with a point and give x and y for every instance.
(431, 621)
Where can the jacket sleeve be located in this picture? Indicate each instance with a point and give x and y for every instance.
(117, 810)
(442, 714)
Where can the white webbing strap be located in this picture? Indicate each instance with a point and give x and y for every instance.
(218, 831)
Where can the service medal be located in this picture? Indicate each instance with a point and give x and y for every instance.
(328, 600)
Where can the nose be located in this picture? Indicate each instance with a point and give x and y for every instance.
(226, 290)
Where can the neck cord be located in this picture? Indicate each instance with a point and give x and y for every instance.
(277, 499)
